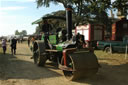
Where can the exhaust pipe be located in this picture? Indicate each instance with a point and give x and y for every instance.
(69, 21)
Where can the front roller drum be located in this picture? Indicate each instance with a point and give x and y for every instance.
(83, 65)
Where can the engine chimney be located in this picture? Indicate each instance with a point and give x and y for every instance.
(69, 21)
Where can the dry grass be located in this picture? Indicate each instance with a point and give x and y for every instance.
(104, 54)
(117, 55)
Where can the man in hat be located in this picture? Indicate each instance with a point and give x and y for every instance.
(46, 27)
(13, 45)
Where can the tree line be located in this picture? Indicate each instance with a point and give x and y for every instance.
(22, 33)
(85, 11)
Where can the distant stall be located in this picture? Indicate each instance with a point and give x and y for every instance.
(91, 32)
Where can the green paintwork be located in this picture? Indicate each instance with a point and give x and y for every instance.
(59, 48)
(52, 39)
(42, 38)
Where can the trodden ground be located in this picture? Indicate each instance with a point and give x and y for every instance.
(19, 69)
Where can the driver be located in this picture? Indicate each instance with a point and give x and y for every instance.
(46, 27)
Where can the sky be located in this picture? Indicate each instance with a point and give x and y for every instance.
(19, 14)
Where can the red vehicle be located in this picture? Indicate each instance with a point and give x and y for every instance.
(119, 30)
(92, 33)
(119, 39)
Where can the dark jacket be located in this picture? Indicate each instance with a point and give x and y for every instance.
(46, 28)
(13, 43)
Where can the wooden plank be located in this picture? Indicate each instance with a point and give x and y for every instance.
(50, 50)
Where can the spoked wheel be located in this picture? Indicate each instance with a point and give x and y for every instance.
(70, 75)
(35, 52)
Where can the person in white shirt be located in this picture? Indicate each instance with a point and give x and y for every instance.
(4, 45)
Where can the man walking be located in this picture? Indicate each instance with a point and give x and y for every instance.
(13, 45)
(4, 45)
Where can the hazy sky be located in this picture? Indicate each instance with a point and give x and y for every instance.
(19, 14)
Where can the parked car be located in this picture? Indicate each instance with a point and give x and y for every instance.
(113, 46)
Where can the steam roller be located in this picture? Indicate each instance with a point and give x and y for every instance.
(72, 57)
(76, 63)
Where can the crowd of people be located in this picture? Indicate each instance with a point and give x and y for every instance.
(13, 44)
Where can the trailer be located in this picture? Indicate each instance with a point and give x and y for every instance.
(119, 38)
(92, 33)
(119, 29)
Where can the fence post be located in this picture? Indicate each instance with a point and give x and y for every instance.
(126, 52)
(110, 48)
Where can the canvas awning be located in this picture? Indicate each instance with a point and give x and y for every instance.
(37, 21)
(48, 17)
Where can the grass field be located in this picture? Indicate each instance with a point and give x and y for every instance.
(120, 56)
(100, 53)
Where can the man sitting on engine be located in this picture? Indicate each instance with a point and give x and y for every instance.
(80, 40)
(45, 29)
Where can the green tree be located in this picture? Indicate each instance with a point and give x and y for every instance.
(23, 32)
(83, 9)
(122, 6)
(17, 32)
(46, 3)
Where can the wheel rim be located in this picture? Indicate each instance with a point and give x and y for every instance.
(36, 53)
(108, 50)
(68, 74)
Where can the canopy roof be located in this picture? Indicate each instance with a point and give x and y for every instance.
(37, 21)
(48, 17)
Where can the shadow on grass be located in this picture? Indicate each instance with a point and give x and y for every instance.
(13, 68)
(52, 65)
